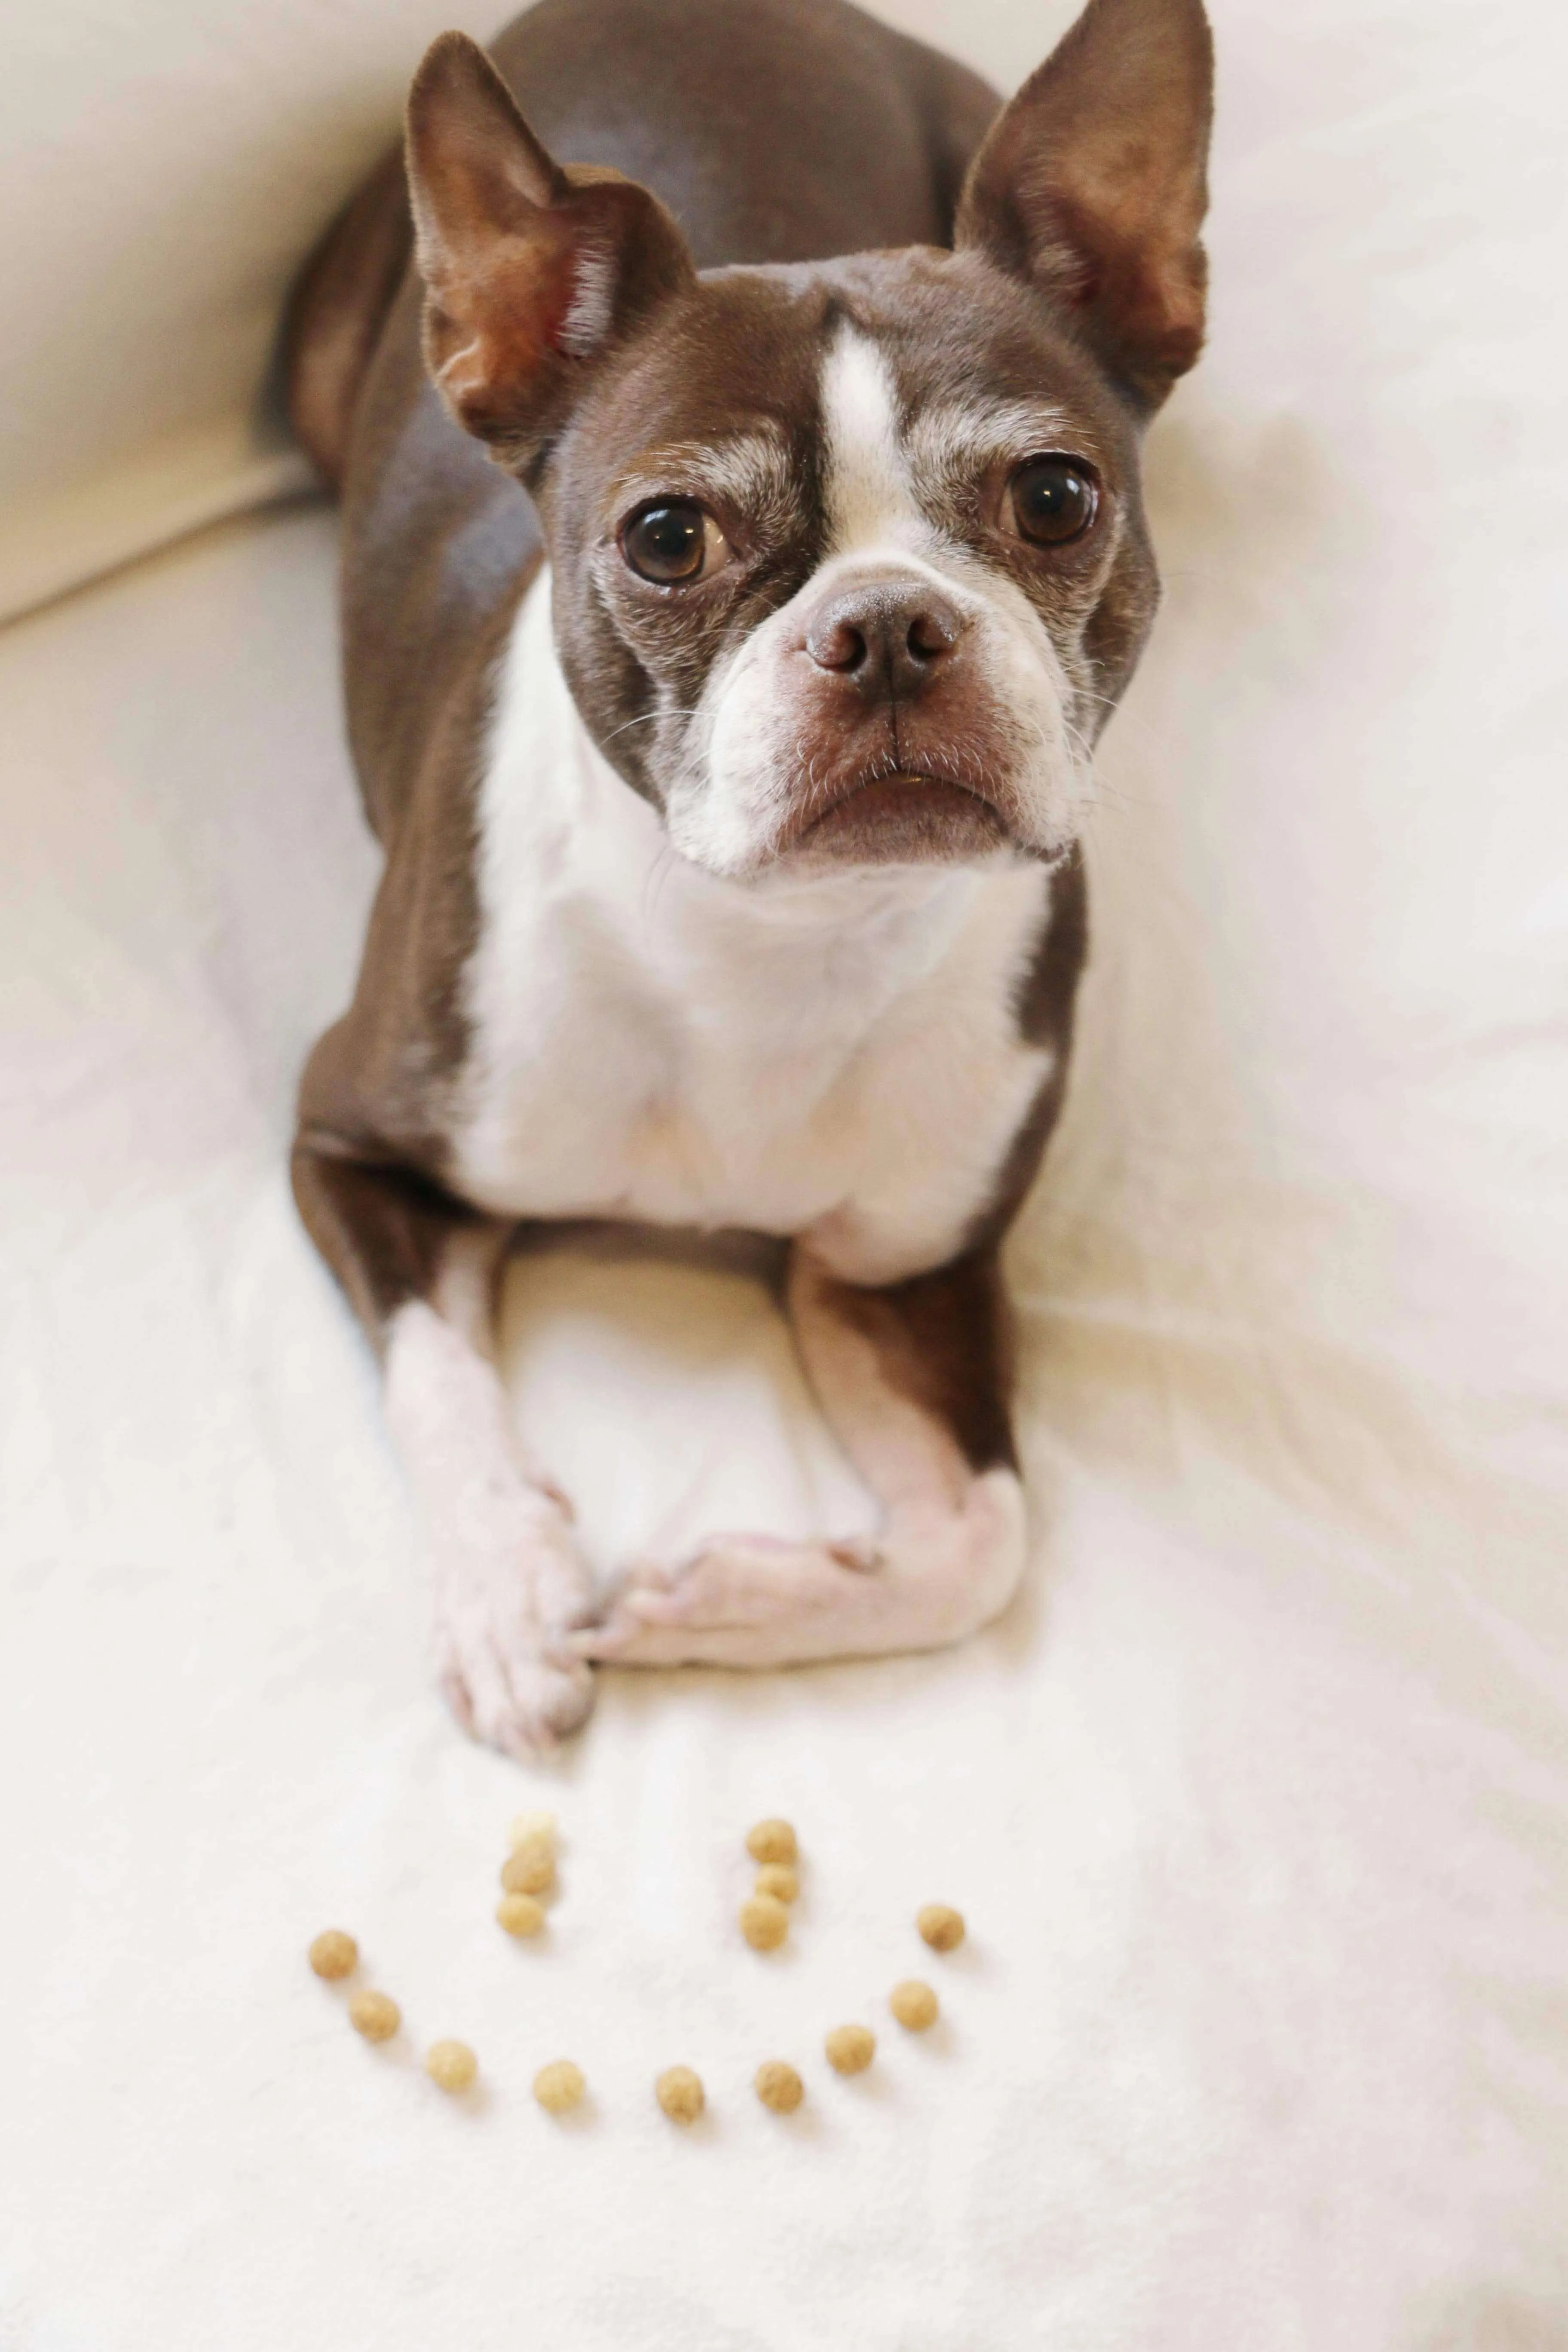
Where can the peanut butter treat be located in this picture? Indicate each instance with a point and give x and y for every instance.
(679, 2093)
(779, 2086)
(777, 1879)
(537, 1824)
(529, 1868)
(520, 1914)
(451, 2065)
(559, 2086)
(850, 2049)
(914, 2005)
(772, 1841)
(375, 2015)
(765, 1922)
(334, 1955)
(941, 1927)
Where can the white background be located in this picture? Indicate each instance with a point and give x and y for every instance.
(1257, 1800)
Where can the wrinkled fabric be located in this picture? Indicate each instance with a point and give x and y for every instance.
(1256, 1801)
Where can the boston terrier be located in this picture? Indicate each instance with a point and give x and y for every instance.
(736, 412)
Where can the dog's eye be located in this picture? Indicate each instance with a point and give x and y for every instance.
(673, 542)
(1054, 500)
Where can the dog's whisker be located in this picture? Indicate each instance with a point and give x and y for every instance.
(644, 718)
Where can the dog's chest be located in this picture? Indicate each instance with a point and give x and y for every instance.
(840, 1059)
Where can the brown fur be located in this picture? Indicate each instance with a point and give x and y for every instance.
(1047, 1007)
(387, 1229)
(942, 1339)
(337, 311)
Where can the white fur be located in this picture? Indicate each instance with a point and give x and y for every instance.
(745, 760)
(836, 1058)
(870, 495)
(750, 1601)
(592, 304)
(509, 1583)
(960, 439)
(752, 471)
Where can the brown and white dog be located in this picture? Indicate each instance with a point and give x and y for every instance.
(728, 629)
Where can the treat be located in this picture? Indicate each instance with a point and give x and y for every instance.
(334, 1955)
(850, 2049)
(375, 2015)
(520, 1914)
(941, 1927)
(765, 1922)
(777, 1879)
(914, 2005)
(679, 2094)
(779, 2086)
(452, 2064)
(772, 1841)
(531, 1825)
(559, 2086)
(529, 1868)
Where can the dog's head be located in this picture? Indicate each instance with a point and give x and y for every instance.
(849, 558)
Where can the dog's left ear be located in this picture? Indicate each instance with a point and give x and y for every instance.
(1092, 185)
(531, 270)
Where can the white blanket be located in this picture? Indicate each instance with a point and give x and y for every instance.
(1256, 1801)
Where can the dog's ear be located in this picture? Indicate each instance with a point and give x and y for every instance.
(1092, 184)
(530, 270)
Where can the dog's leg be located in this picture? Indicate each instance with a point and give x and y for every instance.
(913, 1380)
(422, 1270)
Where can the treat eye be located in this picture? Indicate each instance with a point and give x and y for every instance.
(1054, 500)
(672, 542)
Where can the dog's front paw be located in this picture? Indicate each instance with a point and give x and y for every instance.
(522, 1702)
(743, 1601)
(503, 1650)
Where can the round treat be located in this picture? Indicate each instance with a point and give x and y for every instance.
(334, 1955)
(558, 2086)
(679, 2094)
(777, 1879)
(942, 1926)
(772, 1841)
(531, 1825)
(530, 1867)
(765, 1922)
(520, 1914)
(779, 2086)
(375, 2015)
(452, 2064)
(850, 2049)
(913, 2004)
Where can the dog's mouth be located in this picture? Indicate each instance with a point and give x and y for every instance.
(912, 816)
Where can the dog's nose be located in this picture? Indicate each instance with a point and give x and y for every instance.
(890, 638)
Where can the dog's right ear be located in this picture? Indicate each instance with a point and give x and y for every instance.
(530, 270)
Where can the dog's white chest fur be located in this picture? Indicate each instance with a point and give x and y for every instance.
(839, 1058)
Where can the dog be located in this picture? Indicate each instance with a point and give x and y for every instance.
(736, 410)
